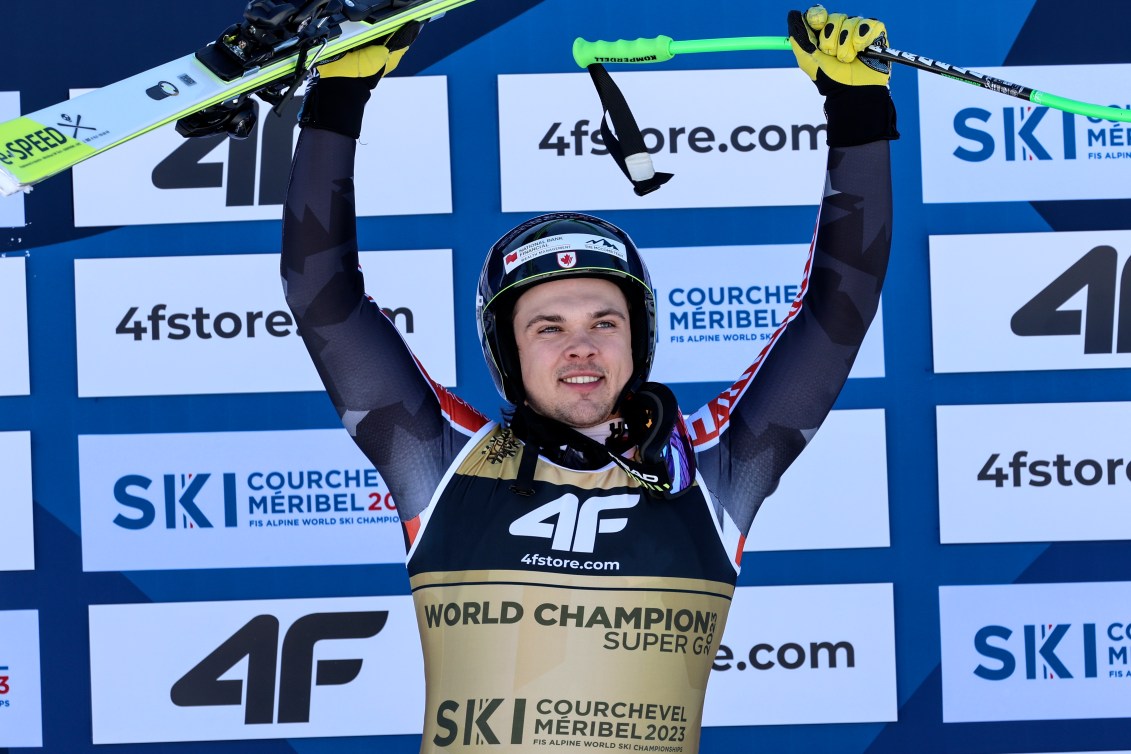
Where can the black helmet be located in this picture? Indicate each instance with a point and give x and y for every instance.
(552, 247)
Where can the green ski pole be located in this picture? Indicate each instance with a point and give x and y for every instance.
(663, 48)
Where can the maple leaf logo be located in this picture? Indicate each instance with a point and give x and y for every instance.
(567, 260)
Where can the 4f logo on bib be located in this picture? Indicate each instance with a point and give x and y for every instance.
(572, 525)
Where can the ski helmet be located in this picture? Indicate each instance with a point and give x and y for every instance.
(553, 247)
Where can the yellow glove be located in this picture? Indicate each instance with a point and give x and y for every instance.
(830, 43)
(381, 57)
(336, 96)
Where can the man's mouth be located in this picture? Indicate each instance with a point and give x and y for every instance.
(584, 380)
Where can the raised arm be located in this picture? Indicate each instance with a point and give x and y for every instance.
(407, 425)
(749, 435)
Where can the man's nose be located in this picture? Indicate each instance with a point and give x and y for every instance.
(581, 345)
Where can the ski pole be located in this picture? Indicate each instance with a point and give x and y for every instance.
(664, 48)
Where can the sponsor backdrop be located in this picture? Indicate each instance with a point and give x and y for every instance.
(1039, 301)
(980, 147)
(192, 550)
(550, 159)
(171, 180)
(346, 667)
(233, 500)
(1035, 651)
(1034, 473)
(14, 379)
(199, 325)
(714, 312)
(11, 212)
(807, 654)
(17, 553)
(20, 694)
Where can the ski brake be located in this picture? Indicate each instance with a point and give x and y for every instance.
(273, 30)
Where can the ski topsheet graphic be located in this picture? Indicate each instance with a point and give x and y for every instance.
(265, 54)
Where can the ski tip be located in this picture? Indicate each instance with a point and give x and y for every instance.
(9, 185)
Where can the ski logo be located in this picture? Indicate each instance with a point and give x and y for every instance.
(572, 525)
(879, 66)
(606, 246)
(165, 89)
(29, 146)
(162, 90)
(639, 59)
(75, 124)
(567, 260)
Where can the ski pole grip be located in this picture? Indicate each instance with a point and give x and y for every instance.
(1076, 107)
(622, 51)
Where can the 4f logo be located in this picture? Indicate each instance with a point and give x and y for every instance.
(295, 666)
(1107, 291)
(572, 525)
(268, 148)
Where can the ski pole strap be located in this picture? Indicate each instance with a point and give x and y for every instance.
(301, 69)
(626, 146)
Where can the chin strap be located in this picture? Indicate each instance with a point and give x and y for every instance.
(656, 427)
(664, 464)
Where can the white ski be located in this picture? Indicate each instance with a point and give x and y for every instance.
(38, 145)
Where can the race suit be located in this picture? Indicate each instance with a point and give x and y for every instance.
(587, 612)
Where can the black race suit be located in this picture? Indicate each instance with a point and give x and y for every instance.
(587, 612)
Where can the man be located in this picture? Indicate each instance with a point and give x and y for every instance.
(573, 566)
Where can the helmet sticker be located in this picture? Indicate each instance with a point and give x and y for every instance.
(567, 259)
(563, 243)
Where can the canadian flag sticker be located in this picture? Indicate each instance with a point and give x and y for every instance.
(567, 260)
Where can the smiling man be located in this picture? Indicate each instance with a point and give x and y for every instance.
(572, 565)
(574, 349)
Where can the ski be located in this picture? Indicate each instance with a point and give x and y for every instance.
(267, 54)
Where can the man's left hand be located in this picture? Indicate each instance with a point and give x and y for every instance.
(831, 43)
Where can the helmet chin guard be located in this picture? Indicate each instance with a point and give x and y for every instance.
(553, 247)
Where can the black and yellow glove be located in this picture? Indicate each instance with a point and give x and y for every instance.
(827, 46)
(336, 95)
